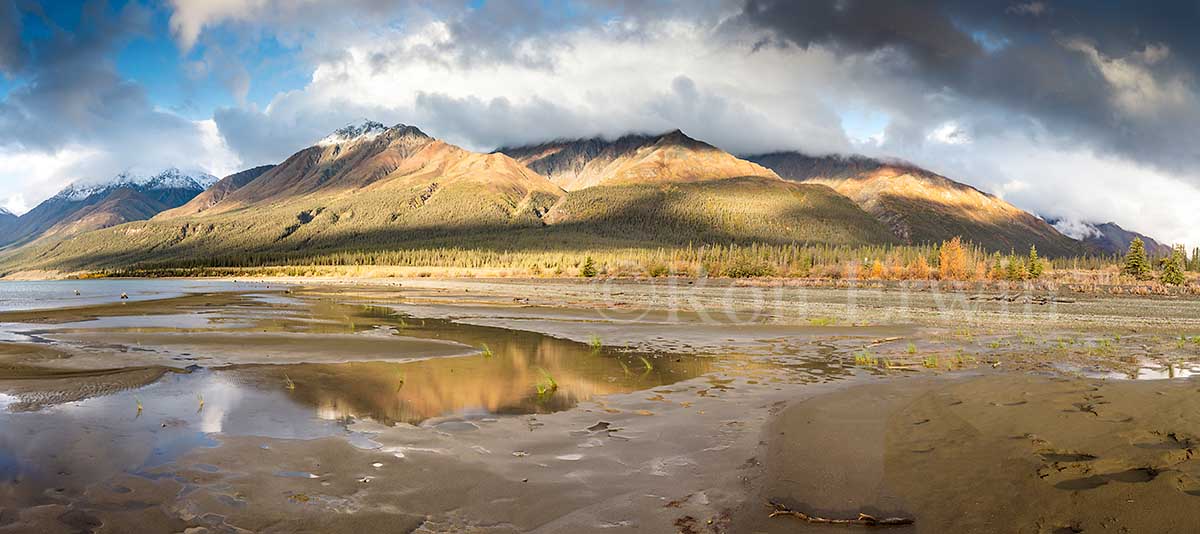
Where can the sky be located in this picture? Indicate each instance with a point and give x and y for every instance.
(1082, 110)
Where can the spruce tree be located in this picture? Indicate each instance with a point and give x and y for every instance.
(1036, 268)
(589, 268)
(1016, 269)
(1195, 265)
(1136, 263)
(1172, 274)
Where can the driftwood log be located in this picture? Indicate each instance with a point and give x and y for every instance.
(862, 519)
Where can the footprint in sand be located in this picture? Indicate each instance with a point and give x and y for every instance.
(1129, 476)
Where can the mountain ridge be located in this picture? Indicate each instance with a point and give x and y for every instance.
(921, 206)
(575, 164)
(1109, 237)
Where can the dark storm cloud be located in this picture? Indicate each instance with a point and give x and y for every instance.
(73, 92)
(1117, 76)
(12, 50)
(926, 34)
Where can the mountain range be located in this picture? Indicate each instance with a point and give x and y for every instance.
(83, 207)
(369, 187)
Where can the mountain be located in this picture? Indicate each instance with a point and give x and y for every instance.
(1109, 238)
(120, 206)
(920, 206)
(216, 193)
(8, 221)
(632, 159)
(397, 193)
(167, 189)
(371, 161)
(750, 209)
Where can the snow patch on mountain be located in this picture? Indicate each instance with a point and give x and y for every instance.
(171, 178)
(365, 130)
(6, 213)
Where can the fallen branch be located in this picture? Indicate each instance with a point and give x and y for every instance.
(879, 342)
(862, 520)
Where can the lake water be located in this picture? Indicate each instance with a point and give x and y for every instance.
(42, 294)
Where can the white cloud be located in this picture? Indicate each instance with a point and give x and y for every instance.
(217, 158)
(192, 16)
(949, 133)
(26, 174)
(1052, 178)
(1076, 229)
(603, 82)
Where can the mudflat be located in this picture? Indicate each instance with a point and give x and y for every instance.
(512, 406)
(998, 452)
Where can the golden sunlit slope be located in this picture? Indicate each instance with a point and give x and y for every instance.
(368, 158)
(920, 206)
(632, 159)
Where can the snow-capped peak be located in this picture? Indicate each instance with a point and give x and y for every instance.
(171, 178)
(4, 212)
(365, 130)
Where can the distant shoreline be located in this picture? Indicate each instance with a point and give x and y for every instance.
(1089, 282)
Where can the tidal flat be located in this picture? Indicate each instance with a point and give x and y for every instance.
(425, 405)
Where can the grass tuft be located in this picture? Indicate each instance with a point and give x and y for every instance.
(547, 385)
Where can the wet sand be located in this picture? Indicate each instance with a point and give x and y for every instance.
(1001, 452)
(485, 406)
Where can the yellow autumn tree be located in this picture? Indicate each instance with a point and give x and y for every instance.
(877, 270)
(952, 260)
(918, 269)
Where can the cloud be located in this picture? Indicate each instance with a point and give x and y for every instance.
(12, 51)
(601, 83)
(74, 117)
(1028, 8)
(1118, 77)
(190, 16)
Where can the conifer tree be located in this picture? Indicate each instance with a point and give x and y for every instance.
(1036, 267)
(1195, 264)
(1016, 269)
(1173, 266)
(589, 268)
(1136, 263)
